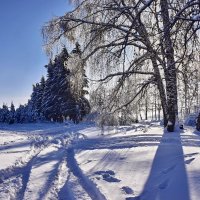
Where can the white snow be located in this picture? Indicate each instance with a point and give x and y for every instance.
(66, 161)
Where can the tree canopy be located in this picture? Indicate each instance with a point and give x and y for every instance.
(124, 39)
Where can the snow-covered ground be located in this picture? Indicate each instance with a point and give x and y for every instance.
(67, 162)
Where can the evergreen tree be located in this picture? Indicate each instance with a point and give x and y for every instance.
(20, 114)
(36, 98)
(64, 94)
(47, 99)
(60, 96)
(11, 117)
(78, 83)
(56, 103)
(5, 114)
(30, 114)
(1, 114)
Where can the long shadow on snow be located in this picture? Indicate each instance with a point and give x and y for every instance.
(118, 142)
(25, 128)
(66, 191)
(84, 181)
(134, 141)
(30, 127)
(15, 145)
(72, 129)
(53, 156)
(70, 161)
(7, 173)
(167, 178)
(26, 171)
(23, 171)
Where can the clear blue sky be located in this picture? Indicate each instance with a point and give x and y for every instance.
(22, 58)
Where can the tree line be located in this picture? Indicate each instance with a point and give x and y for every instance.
(58, 97)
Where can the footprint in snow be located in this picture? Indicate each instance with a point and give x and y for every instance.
(189, 161)
(107, 172)
(108, 176)
(122, 158)
(127, 190)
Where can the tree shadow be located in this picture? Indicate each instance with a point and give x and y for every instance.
(43, 127)
(29, 127)
(168, 177)
(53, 156)
(120, 142)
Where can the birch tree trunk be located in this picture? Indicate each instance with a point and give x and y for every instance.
(170, 73)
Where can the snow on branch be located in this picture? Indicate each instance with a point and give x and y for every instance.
(124, 73)
(144, 86)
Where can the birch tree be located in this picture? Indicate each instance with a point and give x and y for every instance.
(122, 36)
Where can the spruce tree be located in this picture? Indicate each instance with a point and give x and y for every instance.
(61, 95)
(5, 114)
(47, 99)
(56, 98)
(1, 115)
(11, 119)
(78, 83)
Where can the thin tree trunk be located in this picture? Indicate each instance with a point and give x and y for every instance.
(146, 108)
(155, 105)
(159, 108)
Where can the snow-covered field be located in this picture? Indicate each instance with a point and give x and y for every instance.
(66, 161)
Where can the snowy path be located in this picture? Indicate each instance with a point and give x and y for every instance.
(45, 167)
(143, 166)
(68, 162)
